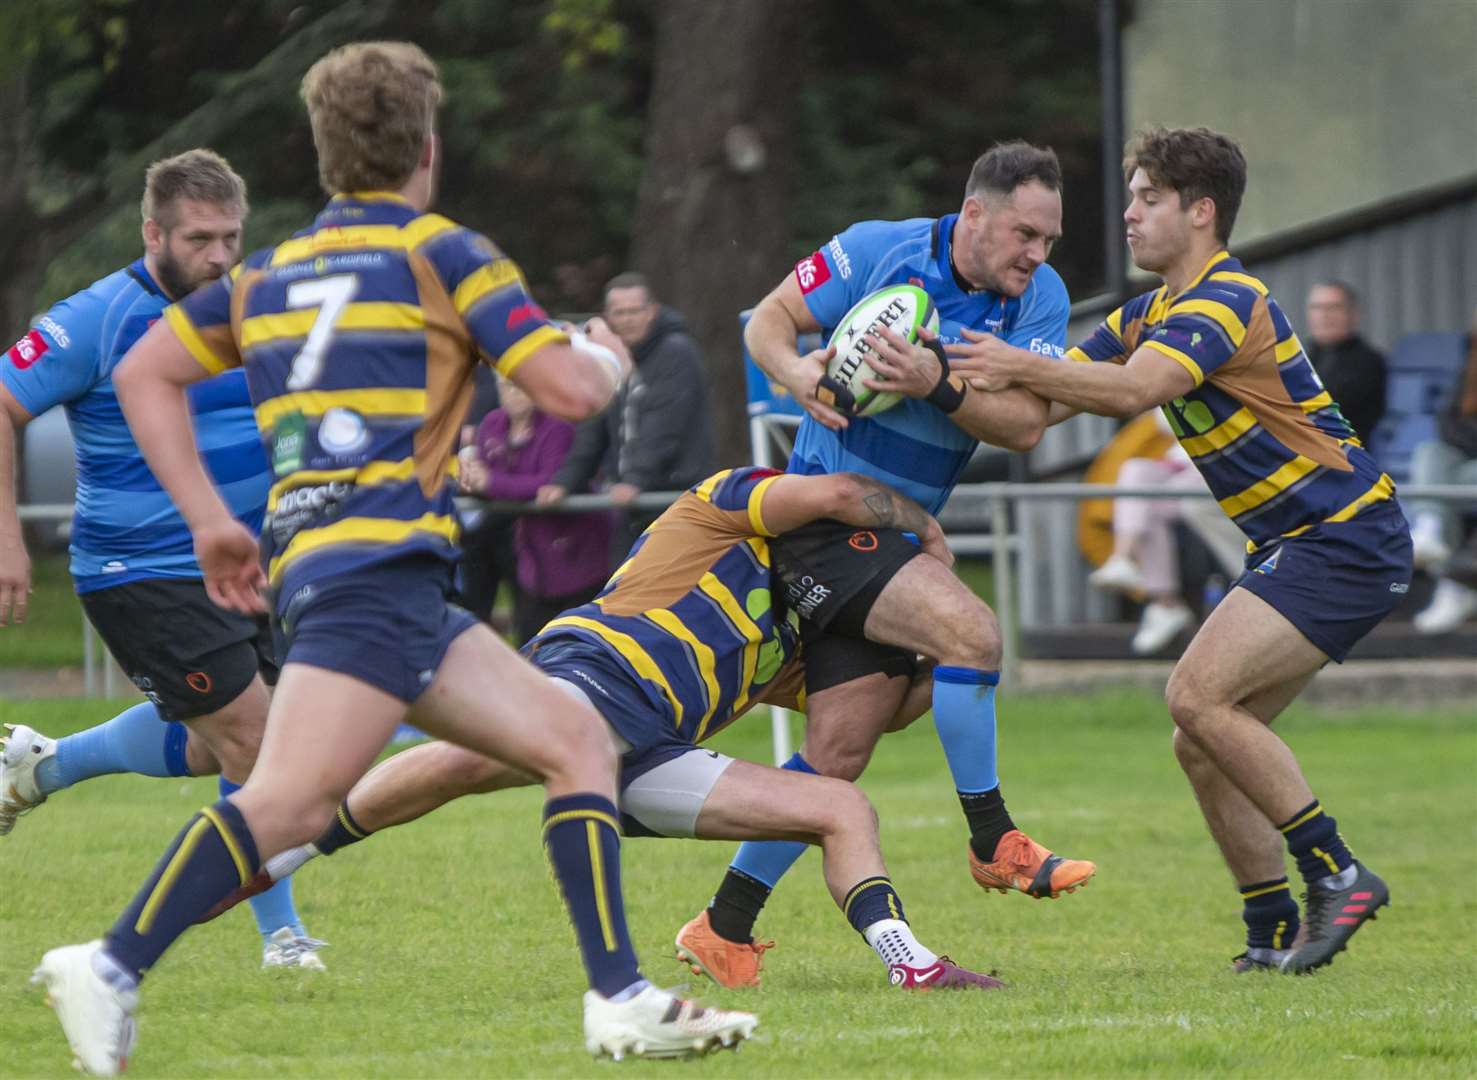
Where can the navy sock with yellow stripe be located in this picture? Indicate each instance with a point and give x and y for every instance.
(583, 841)
(1270, 914)
(341, 832)
(1314, 841)
(870, 901)
(213, 855)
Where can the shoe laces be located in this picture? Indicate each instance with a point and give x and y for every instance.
(1016, 849)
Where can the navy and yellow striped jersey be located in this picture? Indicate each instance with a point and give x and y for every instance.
(1270, 442)
(359, 336)
(690, 614)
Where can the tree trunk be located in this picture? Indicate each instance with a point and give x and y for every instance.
(710, 224)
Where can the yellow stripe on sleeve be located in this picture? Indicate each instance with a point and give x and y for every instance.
(483, 281)
(1289, 348)
(707, 663)
(1240, 279)
(1268, 487)
(366, 402)
(1217, 312)
(630, 649)
(705, 490)
(526, 346)
(1180, 358)
(1077, 355)
(361, 530)
(756, 502)
(190, 338)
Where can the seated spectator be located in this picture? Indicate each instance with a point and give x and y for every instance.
(1352, 370)
(562, 558)
(658, 433)
(1435, 527)
(1145, 560)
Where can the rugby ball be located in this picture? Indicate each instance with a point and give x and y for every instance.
(903, 309)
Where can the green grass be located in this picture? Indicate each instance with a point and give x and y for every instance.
(51, 636)
(451, 957)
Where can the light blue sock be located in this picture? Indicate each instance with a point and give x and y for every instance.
(768, 860)
(964, 715)
(137, 740)
(274, 908)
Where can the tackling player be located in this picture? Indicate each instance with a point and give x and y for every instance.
(683, 640)
(359, 338)
(1330, 552)
(205, 671)
(985, 269)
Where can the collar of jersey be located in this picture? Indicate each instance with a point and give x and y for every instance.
(370, 197)
(943, 247)
(1215, 260)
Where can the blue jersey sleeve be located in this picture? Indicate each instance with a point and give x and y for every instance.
(57, 360)
(835, 277)
(1045, 308)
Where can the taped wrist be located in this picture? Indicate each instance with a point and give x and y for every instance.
(948, 393)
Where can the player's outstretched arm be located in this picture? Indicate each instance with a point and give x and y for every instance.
(574, 380)
(1149, 378)
(15, 564)
(771, 334)
(792, 501)
(150, 383)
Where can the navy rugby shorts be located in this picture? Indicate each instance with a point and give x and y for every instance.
(1336, 581)
(387, 625)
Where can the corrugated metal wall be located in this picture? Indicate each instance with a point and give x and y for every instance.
(1416, 274)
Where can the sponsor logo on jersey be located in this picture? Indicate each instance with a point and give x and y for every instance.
(522, 313)
(308, 506)
(27, 350)
(289, 443)
(840, 258)
(342, 432)
(1046, 348)
(57, 331)
(1399, 587)
(812, 272)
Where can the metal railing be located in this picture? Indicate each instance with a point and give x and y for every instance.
(970, 507)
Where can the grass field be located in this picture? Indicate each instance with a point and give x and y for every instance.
(450, 955)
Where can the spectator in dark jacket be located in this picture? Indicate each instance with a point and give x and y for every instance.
(1353, 371)
(562, 558)
(657, 435)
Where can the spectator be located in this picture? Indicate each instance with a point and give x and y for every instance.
(1352, 370)
(487, 535)
(1451, 458)
(562, 558)
(657, 435)
(1145, 561)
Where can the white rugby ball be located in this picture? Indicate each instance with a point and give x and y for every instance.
(903, 309)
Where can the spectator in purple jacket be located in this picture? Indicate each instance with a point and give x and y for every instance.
(562, 558)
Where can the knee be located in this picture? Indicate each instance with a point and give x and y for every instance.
(1189, 704)
(1191, 758)
(973, 634)
(851, 812)
(282, 819)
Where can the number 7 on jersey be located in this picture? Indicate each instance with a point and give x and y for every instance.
(330, 296)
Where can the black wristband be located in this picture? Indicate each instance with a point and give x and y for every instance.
(946, 395)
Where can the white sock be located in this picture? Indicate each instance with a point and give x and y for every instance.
(893, 941)
(1342, 880)
(281, 865)
(629, 992)
(113, 973)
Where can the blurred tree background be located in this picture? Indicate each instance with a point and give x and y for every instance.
(708, 143)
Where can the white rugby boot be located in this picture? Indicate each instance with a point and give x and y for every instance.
(286, 949)
(658, 1024)
(1158, 626)
(97, 1019)
(21, 750)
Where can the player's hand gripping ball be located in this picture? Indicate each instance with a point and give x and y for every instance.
(903, 309)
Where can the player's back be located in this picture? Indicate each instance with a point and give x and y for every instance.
(1271, 443)
(358, 337)
(125, 527)
(690, 612)
(913, 446)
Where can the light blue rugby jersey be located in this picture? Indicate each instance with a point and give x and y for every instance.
(913, 446)
(125, 527)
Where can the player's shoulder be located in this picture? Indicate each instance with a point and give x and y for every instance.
(1046, 291)
(1227, 284)
(881, 238)
(730, 489)
(78, 322)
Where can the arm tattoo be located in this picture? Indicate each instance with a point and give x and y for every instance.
(891, 509)
(880, 503)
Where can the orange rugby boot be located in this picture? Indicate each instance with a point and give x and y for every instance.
(727, 963)
(1021, 863)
